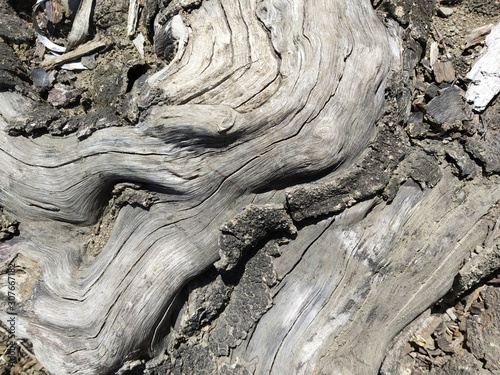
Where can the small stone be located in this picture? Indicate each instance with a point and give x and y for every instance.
(444, 12)
(89, 62)
(62, 95)
(41, 78)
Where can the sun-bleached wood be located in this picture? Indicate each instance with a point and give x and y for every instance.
(259, 95)
(485, 83)
(268, 83)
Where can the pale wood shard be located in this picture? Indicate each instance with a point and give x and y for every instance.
(260, 96)
(434, 53)
(139, 44)
(485, 73)
(83, 50)
(81, 24)
(444, 71)
(477, 35)
(133, 16)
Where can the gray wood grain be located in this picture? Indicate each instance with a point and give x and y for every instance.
(260, 96)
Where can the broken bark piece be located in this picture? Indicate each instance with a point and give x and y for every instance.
(249, 227)
(444, 71)
(448, 107)
(484, 146)
(465, 165)
(478, 35)
(444, 342)
(416, 127)
(485, 73)
(83, 50)
(422, 168)
(486, 151)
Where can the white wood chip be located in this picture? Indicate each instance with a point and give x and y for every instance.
(485, 73)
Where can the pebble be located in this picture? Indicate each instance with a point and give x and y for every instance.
(89, 62)
(62, 95)
(41, 78)
(444, 12)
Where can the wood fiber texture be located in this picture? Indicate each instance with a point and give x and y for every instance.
(266, 109)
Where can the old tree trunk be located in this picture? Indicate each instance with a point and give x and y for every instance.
(245, 197)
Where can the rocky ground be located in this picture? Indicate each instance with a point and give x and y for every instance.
(459, 339)
(461, 333)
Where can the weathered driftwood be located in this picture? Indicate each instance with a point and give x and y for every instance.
(259, 97)
(485, 74)
(83, 50)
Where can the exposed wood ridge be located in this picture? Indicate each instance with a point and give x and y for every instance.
(376, 265)
(263, 93)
